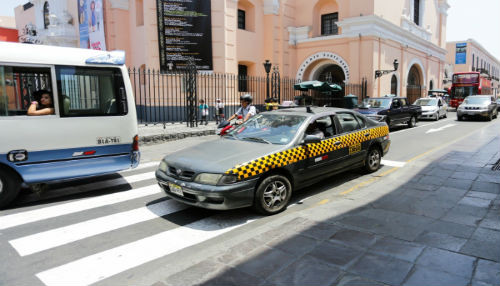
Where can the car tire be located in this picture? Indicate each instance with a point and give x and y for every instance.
(273, 189)
(437, 116)
(490, 116)
(445, 115)
(412, 122)
(373, 160)
(460, 118)
(9, 187)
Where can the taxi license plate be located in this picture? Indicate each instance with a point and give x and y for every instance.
(176, 189)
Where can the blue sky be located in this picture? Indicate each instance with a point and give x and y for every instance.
(478, 19)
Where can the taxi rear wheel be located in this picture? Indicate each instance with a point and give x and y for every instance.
(372, 161)
(9, 187)
(272, 195)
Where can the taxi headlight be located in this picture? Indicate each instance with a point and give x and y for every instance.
(163, 166)
(228, 179)
(207, 178)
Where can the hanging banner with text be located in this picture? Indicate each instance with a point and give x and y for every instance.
(184, 33)
(461, 53)
(91, 24)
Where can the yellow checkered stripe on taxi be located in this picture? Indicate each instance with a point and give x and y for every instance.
(284, 158)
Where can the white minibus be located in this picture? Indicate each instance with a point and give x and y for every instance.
(90, 126)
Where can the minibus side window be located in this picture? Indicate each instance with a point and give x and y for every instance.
(18, 86)
(89, 91)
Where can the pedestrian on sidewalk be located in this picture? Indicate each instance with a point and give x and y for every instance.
(203, 111)
(219, 110)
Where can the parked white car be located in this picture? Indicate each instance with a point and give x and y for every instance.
(432, 108)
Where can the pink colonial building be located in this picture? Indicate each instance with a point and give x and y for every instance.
(345, 41)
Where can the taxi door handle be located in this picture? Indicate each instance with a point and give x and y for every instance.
(338, 143)
(367, 134)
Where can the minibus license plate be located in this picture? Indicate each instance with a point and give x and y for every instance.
(176, 189)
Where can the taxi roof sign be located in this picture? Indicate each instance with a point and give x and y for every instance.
(110, 58)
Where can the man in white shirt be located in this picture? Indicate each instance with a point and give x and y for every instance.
(246, 110)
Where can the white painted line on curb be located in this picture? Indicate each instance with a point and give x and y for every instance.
(393, 163)
(100, 266)
(56, 237)
(17, 219)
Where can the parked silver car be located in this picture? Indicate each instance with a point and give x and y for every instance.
(478, 106)
(432, 108)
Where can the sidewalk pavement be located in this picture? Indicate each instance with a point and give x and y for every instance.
(435, 221)
(154, 134)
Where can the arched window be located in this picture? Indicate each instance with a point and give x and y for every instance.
(394, 85)
(46, 21)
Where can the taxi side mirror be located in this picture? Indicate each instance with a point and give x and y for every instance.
(311, 139)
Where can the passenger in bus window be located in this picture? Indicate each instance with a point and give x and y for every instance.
(45, 106)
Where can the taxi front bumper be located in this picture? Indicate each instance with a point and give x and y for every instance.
(233, 196)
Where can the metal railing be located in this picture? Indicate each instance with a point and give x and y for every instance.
(162, 97)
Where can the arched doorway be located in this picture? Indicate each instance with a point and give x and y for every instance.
(414, 88)
(331, 73)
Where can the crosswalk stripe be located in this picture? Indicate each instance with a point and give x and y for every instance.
(100, 266)
(64, 235)
(393, 163)
(108, 183)
(142, 166)
(17, 219)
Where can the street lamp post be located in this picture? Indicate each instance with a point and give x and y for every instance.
(379, 73)
(267, 67)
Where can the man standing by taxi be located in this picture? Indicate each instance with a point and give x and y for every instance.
(246, 110)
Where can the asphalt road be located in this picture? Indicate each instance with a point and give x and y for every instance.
(120, 229)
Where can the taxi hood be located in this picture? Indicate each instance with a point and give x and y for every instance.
(220, 155)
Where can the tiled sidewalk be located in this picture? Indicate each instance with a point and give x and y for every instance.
(434, 222)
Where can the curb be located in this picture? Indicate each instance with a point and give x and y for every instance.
(160, 138)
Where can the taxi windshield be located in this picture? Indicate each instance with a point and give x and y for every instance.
(426, 102)
(377, 102)
(269, 128)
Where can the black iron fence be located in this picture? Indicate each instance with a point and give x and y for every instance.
(163, 97)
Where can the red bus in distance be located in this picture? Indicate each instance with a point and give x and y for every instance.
(465, 84)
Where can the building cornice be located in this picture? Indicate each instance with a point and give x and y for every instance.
(375, 26)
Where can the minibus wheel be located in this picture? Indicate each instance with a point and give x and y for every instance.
(9, 186)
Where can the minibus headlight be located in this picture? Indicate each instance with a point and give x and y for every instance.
(207, 178)
(163, 166)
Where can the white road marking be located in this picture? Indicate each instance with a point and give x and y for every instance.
(100, 266)
(56, 237)
(106, 184)
(393, 163)
(142, 166)
(439, 129)
(420, 126)
(17, 219)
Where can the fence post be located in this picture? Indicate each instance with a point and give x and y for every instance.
(276, 83)
(191, 94)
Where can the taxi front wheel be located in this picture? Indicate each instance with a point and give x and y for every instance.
(272, 195)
